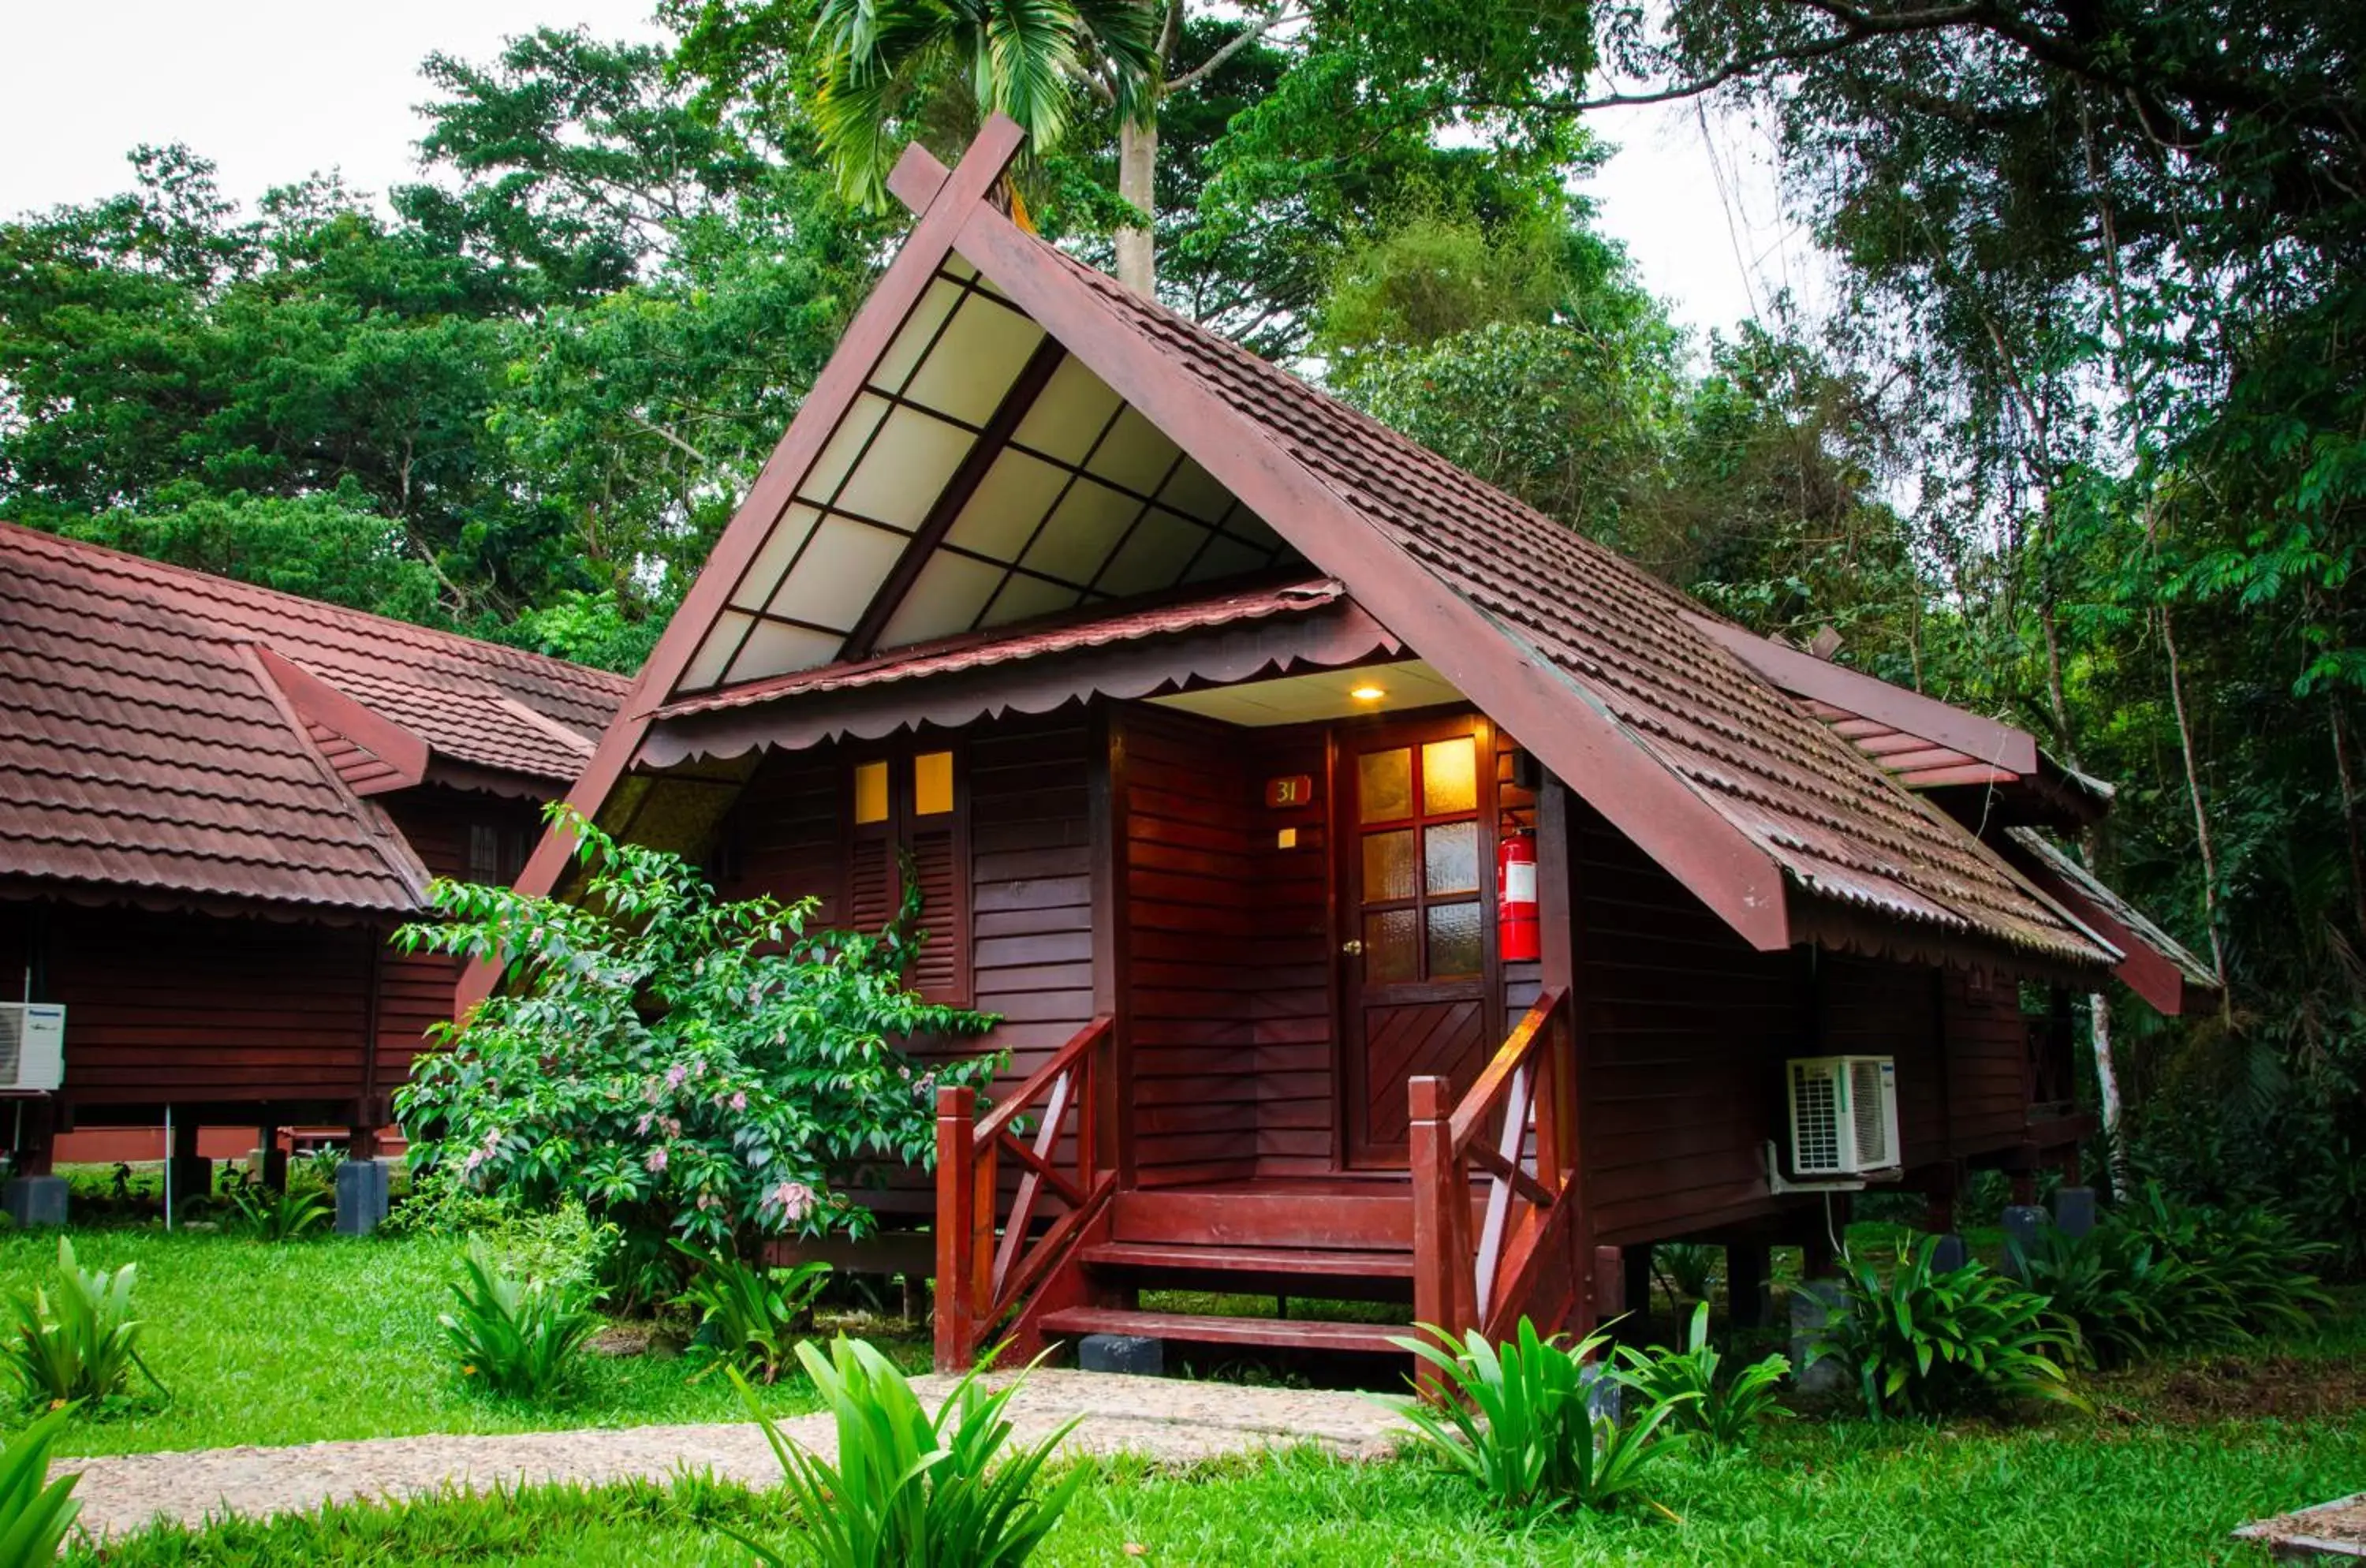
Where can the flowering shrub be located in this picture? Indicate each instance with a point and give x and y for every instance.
(680, 1064)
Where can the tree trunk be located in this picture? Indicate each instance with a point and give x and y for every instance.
(2200, 812)
(2107, 1086)
(1137, 166)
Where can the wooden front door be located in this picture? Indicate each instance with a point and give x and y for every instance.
(1417, 852)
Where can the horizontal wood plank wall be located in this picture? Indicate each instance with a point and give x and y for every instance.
(1291, 958)
(190, 1009)
(415, 988)
(1030, 885)
(1191, 874)
(1686, 1029)
(1868, 1008)
(1988, 1062)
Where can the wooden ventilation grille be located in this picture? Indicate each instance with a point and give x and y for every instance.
(1815, 1120)
(1866, 1105)
(936, 972)
(871, 884)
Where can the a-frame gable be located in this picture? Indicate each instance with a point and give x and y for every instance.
(1712, 774)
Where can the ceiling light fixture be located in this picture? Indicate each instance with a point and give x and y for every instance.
(1366, 693)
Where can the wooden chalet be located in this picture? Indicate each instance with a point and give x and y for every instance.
(215, 803)
(1206, 709)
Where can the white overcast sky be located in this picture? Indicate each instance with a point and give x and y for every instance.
(271, 90)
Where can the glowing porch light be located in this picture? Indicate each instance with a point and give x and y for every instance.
(1367, 693)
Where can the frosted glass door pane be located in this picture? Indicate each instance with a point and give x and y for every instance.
(1388, 866)
(1449, 777)
(1453, 941)
(1384, 785)
(1450, 858)
(1390, 956)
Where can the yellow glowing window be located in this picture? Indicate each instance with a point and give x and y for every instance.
(932, 783)
(870, 792)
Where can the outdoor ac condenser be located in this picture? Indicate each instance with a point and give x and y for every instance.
(1843, 1114)
(32, 1045)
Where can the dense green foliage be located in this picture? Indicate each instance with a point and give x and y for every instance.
(516, 1334)
(1917, 1339)
(35, 1511)
(908, 1488)
(750, 1316)
(74, 1340)
(684, 1067)
(297, 1208)
(1530, 1423)
(1725, 1405)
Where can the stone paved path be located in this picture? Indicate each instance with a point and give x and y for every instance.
(1164, 1419)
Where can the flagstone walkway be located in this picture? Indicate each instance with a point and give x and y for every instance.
(1166, 1420)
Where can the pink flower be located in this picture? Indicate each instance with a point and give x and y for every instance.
(674, 1075)
(656, 1160)
(643, 1124)
(739, 1101)
(795, 1199)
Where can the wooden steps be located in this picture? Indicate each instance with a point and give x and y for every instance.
(1280, 1333)
(1278, 1262)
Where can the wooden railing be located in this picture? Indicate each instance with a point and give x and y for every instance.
(983, 1274)
(1515, 1132)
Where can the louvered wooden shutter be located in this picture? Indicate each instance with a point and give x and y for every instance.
(870, 883)
(940, 973)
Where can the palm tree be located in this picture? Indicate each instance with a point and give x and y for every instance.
(1028, 59)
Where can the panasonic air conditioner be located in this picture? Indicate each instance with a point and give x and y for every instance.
(32, 1046)
(1843, 1116)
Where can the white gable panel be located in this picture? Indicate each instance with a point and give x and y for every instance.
(1068, 414)
(1153, 555)
(912, 339)
(975, 359)
(837, 576)
(1135, 455)
(772, 562)
(722, 641)
(774, 648)
(946, 600)
(901, 475)
(1009, 504)
(1081, 532)
(821, 482)
(1024, 597)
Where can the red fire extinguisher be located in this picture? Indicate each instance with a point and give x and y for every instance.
(1515, 895)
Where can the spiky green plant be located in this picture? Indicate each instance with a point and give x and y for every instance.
(35, 1511)
(76, 1339)
(749, 1315)
(294, 1211)
(909, 1488)
(1517, 1419)
(513, 1336)
(1929, 1341)
(1725, 1408)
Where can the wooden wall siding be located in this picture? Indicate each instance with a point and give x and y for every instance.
(1868, 1008)
(189, 1009)
(415, 988)
(1291, 962)
(1031, 881)
(1987, 1059)
(1685, 1029)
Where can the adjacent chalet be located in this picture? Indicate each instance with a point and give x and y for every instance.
(216, 801)
(1386, 892)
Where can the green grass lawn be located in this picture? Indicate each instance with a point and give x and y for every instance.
(328, 1338)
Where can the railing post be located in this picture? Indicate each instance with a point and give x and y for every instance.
(957, 1255)
(1441, 1213)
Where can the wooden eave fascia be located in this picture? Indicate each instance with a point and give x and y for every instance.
(2152, 975)
(1989, 744)
(1555, 718)
(945, 199)
(1335, 636)
(321, 704)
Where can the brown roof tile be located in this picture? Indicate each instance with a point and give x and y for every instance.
(144, 745)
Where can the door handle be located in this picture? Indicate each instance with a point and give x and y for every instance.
(1353, 947)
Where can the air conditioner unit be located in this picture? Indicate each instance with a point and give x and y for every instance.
(32, 1046)
(1843, 1114)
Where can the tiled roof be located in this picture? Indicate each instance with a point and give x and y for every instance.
(146, 744)
(978, 649)
(1837, 826)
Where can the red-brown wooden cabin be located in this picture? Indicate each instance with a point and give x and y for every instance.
(1205, 706)
(215, 803)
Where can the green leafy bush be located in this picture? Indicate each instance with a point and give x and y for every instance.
(909, 1488)
(514, 1336)
(35, 1512)
(684, 1067)
(2244, 1268)
(1690, 1267)
(749, 1316)
(2125, 1300)
(1932, 1341)
(290, 1213)
(1726, 1407)
(1517, 1421)
(76, 1339)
